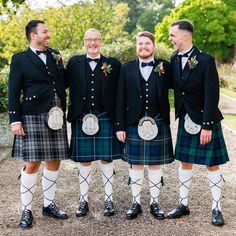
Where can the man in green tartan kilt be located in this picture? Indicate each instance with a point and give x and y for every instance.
(143, 119)
(199, 139)
(92, 80)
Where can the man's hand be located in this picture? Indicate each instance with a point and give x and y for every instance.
(17, 129)
(121, 135)
(205, 136)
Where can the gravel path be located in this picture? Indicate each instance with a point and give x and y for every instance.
(198, 223)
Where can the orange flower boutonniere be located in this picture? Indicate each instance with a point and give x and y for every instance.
(192, 62)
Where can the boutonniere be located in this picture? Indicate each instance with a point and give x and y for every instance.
(159, 69)
(57, 57)
(106, 68)
(192, 62)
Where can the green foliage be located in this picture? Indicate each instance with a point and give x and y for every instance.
(145, 14)
(214, 21)
(227, 74)
(67, 25)
(3, 89)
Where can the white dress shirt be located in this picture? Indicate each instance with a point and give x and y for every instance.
(147, 70)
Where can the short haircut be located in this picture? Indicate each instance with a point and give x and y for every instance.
(93, 30)
(184, 25)
(146, 34)
(31, 27)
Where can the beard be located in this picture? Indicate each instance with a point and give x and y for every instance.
(146, 56)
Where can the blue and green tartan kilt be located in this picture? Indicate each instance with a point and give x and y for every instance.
(149, 152)
(40, 142)
(102, 146)
(188, 148)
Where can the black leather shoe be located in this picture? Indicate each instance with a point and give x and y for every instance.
(134, 211)
(178, 212)
(26, 220)
(156, 211)
(109, 209)
(82, 209)
(54, 212)
(217, 218)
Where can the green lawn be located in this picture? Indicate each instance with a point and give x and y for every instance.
(230, 121)
(228, 93)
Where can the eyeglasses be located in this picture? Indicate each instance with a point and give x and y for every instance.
(89, 40)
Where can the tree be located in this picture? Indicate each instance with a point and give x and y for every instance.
(67, 25)
(145, 14)
(214, 21)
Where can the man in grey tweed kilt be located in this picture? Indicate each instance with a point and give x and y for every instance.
(36, 84)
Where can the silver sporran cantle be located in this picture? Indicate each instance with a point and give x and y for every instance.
(147, 128)
(90, 124)
(55, 118)
(191, 127)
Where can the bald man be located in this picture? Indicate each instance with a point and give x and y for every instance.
(92, 80)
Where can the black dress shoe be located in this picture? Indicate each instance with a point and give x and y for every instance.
(217, 218)
(134, 211)
(109, 209)
(52, 211)
(26, 219)
(178, 212)
(156, 211)
(82, 209)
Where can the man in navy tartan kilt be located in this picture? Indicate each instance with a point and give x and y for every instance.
(38, 75)
(199, 139)
(142, 109)
(92, 80)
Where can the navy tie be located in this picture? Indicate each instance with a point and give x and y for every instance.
(151, 63)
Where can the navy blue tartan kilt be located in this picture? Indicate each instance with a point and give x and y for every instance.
(188, 148)
(149, 152)
(102, 146)
(40, 142)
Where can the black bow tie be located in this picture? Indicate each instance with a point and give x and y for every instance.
(39, 52)
(91, 59)
(186, 54)
(151, 63)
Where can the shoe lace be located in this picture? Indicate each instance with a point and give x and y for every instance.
(82, 205)
(54, 207)
(108, 204)
(25, 214)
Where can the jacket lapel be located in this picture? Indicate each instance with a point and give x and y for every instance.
(159, 77)
(82, 70)
(136, 75)
(105, 78)
(33, 58)
(187, 71)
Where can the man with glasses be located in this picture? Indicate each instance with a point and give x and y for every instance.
(92, 80)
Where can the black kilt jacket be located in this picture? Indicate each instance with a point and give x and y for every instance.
(77, 82)
(129, 95)
(32, 86)
(198, 89)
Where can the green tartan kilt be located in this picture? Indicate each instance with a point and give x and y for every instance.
(188, 148)
(102, 146)
(158, 151)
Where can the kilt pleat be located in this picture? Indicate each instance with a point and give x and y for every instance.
(40, 142)
(149, 152)
(102, 146)
(188, 148)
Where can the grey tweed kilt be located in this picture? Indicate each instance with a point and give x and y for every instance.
(40, 142)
